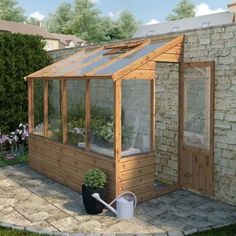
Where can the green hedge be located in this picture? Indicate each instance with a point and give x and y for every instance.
(20, 55)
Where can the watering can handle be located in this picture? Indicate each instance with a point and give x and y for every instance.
(135, 198)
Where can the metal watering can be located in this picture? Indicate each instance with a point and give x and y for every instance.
(125, 204)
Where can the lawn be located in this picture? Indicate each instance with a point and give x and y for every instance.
(13, 232)
(4, 162)
(225, 231)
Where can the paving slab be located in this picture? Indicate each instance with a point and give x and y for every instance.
(31, 200)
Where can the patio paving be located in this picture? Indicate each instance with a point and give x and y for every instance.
(33, 201)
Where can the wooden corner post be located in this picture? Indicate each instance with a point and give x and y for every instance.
(153, 115)
(45, 108)
(117, 133)
(31, 104)
(88, 115)
(64, 110)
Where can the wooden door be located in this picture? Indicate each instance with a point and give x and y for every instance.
(197, 126)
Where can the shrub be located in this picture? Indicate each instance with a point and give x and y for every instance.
(95, 178)
(20, 55)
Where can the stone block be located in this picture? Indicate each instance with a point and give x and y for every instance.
(231, 117)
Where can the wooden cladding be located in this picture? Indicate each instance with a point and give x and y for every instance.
(66, 164)
(137, 174)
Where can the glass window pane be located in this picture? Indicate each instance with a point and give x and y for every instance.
(76, 112)
(102, 122)
(110, 69)
(54, 111)
(135, 117)
(75, 62)
(197, 106)
(38, 107)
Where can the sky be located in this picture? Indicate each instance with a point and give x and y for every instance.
(145, 11)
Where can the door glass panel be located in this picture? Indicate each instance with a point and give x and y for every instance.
(196, 122)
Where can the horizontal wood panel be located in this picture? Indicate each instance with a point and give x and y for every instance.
(176, 50)
(137, 190)
(67, 165)
(148, 66)
(169, 57)
(52, 144)
(136, 157)
(136, 164)
(84, 163)
(141, 74)
(137, 181)
(137, 172)
(64, 151)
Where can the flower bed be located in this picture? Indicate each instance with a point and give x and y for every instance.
(14, 147)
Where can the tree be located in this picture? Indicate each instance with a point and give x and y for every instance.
(59, 21)
(127, 24)
(33, 21)
(20, 55)
(111, 29)
(86, 21)
(184, 9)
(9, 11)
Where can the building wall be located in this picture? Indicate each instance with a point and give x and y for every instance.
(60, 54)
(214, 44)
(52, 44)
(167, 122)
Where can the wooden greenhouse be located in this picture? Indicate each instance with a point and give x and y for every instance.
(96, 108)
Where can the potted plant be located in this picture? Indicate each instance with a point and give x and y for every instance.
(94, 182)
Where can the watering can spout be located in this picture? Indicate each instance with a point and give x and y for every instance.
(97, 197)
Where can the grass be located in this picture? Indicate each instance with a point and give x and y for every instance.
(225, 231)
(18, 160)
(14, 232)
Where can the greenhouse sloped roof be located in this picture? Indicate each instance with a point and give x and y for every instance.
(113, 61)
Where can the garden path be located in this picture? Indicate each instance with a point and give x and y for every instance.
(31, 200)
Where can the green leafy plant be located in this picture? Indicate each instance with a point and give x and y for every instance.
(95, 178)
(20, 55)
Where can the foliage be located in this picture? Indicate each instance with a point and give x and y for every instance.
(15, 232)
(84, 20)
(58, 21)
(13, 161)
(20, 55)
(127, 24)
(95, 178)
(102, 126)
(9, 11)
(184, 9)
(14, 148)
(33, 21)
(225, 231)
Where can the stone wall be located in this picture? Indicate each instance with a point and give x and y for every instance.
(214, 44)
(219, 45)
(60, 54)
(167, 122)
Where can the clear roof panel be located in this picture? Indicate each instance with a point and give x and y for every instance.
(78, 62)
(100, 61)
(118, 65)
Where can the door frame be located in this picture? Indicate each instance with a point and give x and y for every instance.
(210, 64)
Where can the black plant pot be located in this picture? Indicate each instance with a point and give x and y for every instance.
(93, 206)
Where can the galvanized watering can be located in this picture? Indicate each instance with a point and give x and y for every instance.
(125, 204)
